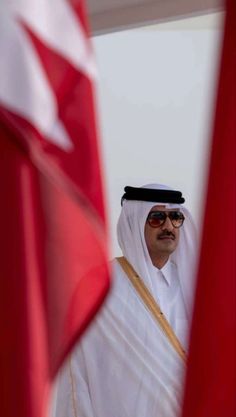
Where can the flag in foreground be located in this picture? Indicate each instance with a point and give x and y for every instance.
(211, 377)
(54, 272)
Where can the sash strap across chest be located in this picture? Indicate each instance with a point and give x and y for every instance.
(152, 306)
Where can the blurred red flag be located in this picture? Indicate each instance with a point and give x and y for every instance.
(54, 272)
(211, 377)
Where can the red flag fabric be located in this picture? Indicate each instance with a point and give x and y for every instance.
(211, 377)
(54, 271)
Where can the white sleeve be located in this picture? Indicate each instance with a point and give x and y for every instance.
(71, 397)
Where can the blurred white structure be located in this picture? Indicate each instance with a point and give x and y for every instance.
(113, 15)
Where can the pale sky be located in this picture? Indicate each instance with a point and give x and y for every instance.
(155, 99)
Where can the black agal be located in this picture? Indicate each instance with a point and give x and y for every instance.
(150, 194)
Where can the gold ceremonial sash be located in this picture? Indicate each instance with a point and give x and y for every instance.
(152, 306)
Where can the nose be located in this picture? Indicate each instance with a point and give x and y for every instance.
(167, 225)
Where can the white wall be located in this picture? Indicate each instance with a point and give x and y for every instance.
(155, 100)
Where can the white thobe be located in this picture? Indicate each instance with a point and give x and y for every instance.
(168, 294)
(124, 366)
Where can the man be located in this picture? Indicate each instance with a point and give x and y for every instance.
(131, 361)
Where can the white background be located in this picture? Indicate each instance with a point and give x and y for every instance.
(155, 97)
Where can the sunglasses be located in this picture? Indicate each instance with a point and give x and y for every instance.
(158, 218)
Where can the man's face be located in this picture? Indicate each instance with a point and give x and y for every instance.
(161, 241)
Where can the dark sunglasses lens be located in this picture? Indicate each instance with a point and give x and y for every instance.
(177, 218)
(156, 219)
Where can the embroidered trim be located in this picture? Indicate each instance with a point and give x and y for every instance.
(73, 390)
(152, 306)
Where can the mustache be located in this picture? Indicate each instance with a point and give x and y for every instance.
(168, 234)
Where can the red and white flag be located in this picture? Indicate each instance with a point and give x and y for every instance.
(211, 377)
(54, 272)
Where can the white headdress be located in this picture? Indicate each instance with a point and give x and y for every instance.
(130, 232)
